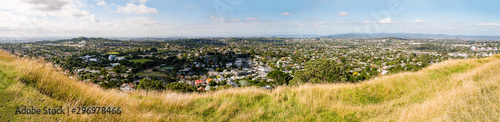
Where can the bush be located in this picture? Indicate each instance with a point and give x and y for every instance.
(279, 76)
(321, 71)
(150, 85)
(181, 87)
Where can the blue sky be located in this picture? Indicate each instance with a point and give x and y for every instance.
(199, 18)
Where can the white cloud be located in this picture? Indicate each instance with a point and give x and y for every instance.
(217, 19)
(29, 18)
(134, 26)
(102, 3)
(366, 21)
(236, 20)
(132, 8)
(324, 24)
(419, 21)
(342, 13)
(286, 14)
(93, 18)
(229, 20)
(141, 1)
(336, 18)
(251, 19)
(48, 5)
(142, 21)
(386, 21)
(68, 9)
(488, 24)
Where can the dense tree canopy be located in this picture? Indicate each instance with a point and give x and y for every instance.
(181, 87)
(321, 71)
(119, 69)
(150, 85)
(279, 76)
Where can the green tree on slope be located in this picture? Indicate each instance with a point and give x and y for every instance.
(321, 71)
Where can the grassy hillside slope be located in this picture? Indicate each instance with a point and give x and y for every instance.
(456, 90)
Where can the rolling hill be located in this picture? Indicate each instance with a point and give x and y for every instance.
(455, 90)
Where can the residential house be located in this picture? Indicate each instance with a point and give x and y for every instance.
(200, 83)
(127, 87)
(232, 84)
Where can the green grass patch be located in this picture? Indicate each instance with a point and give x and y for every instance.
(142, 60)
(15, 94)
(167, 68)
(113, 53)
(151, 74)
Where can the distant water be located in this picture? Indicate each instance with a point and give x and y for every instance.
(24, 40)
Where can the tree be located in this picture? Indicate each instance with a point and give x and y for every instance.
(222, 82)
(109, 84)
(219, 69)
(104, 71)
(212, 83)
(119, 69)
(153, 50)
(279, 76)
(181, 87)
(321, 71)
(150, 85)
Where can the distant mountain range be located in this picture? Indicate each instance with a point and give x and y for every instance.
(412, 35)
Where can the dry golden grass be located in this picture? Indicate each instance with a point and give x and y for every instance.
(456, 90)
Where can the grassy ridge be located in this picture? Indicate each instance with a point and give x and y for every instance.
(457, 90)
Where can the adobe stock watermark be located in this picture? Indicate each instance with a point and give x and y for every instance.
(223, 6)
(394, 7)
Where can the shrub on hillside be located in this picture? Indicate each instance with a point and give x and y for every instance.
(181, 87)
(147, 84)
